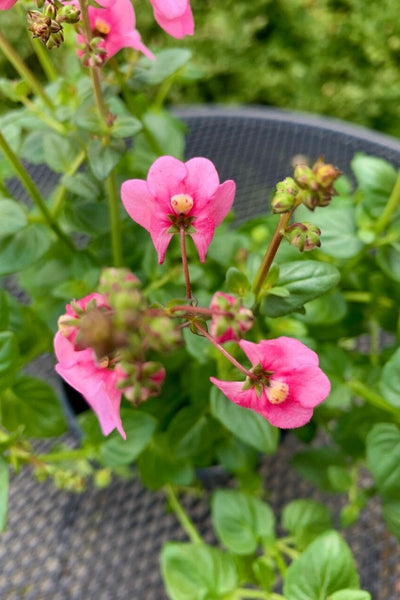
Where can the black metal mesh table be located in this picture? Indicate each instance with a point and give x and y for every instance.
(104, 545)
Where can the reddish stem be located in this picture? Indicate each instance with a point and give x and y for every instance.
(185, 261)
(224, 352)
(198, 310)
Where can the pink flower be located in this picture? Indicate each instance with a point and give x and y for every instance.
(179, 194)
(115, 24)
(289, 384)
(6, 4)
(97, 383)
(174, 16)
(226, 328)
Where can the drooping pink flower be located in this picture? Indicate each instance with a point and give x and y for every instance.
(96, 382)
(174, 16)
(290, 383)
(179, 194)
(115, 24)
(6, 4)
(226, 328)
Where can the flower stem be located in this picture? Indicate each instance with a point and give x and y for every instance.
(185, 265)
(198, 310)
(244, 593)
(224, 352)
(392, 204)
(182, 516)
(64, 455)
(271, 252)
(43, 58)
(61, 193)
(33, 191)
(24, 72)
(360, 389)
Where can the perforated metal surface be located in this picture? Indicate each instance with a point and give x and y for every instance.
(104, 545)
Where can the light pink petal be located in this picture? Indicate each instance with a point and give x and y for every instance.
(82, 377)
(161, 240)
(106, 406)
(202, 240)
(179, 27)
(234, 391)
(308, 385)
(202, 181)
(214, 300)
(253, 351)
(67, 356)
(284, 353)
(221, 202)
(170, 8)
(6, 4)
(134, 40)
(137, 201)
(165, 179)
(105, 3)
(288, 415)
(83, 302)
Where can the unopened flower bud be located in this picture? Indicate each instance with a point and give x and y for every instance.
(305, 236)
(285, 196)
(325, 174)
(50, 11)
(55, 26)
(68, 14)
(144, 382)
(162, 333)
(303, 176)
(40, 3)
(309, 199)
(67, 325)
(96, 331)
(39, 25)
(230, 319)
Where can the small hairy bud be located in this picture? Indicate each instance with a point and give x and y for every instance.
(285, 196)
(305, 236)
(68, 14)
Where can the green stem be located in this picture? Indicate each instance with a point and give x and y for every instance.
(392, 204)
(280, 563)
(362, 297)
(61, 193)
(374, 331)
(33, 191)
(360, 389)
(199, 310)
(23, 70)
(183, 518)
(271, 252)
(52, 123)
(65, 455)
(113, 207)
(290, 552)
(43, 58)
(244, 593)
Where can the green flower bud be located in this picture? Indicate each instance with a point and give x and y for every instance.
(50, 11)
(68, 14)
(285, 196)
(303, 176)
(305, 236)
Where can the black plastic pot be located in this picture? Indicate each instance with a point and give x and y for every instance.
(105, 544)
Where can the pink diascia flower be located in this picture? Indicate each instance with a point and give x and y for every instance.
(6, 4)
(115, 24)
(225, 328)
(79, 368)
(290, 382)
(174, 16)
(176, 194)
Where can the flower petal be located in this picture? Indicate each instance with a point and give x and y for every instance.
(6, 4)
(234, 391)
(177, 27)
(202, 181)
(221, 202)
(165, 179)
(288, 415)
(138, 201)
(170, 8)
(202, 239)
(309, 385)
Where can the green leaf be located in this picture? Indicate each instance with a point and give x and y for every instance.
(12, 217)
(390, 380)
(241, 521)
(340, 478)
(158, 465)
(139, 428)
(313, 464)
(391, 514)
(9, 357)
(374, 175)
(325, 567)
(237, 282)
(149, 72)
(4, 482)
(250, 427)
(58, 152)
(305, 280)
(326, 310)
(305, 520)
(191, 432)
(388, 258)
(197, 346)
(32, 403)
(4, 311)
(32, 148)
(102, 158)
(350, 595)
(24, 248)
(383, 457)
(84, 185)
(125, 127)
(197, 572)
(167, 131)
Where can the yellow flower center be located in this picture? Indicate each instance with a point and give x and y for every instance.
(182, 203)
(277, 392)
(102, 27)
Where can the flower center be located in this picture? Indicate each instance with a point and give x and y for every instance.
(101, 27)
(277, 392)
(182, 203)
